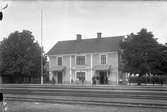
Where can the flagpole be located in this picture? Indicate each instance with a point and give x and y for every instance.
(41, 46)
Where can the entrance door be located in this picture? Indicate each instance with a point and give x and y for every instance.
(60, 77)
(103, 77)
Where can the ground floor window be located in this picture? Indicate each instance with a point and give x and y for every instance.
(80, 75)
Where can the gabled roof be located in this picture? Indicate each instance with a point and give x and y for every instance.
(104, 44)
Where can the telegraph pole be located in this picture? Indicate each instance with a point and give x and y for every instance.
(41, 46)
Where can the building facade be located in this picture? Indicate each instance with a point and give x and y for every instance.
(86, 61)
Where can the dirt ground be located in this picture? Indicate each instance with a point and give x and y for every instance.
(14, 106)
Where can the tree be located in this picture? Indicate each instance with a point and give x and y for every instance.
(20, 57)
(163, 65)
(142, 54)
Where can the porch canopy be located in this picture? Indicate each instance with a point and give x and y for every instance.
(57, 68)
(101, 67)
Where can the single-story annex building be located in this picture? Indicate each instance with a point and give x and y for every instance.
(86, 61)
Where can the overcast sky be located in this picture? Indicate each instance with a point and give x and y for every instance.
(62, 20)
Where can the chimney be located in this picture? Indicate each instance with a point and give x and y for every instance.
(99, 35)
(79, 36)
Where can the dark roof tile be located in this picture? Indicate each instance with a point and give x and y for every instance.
(105, 44)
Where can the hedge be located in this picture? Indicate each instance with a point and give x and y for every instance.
(161, 79)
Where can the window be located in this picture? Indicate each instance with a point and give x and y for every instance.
(103, 59)
(80, 60)
(81, 76)
(60, 61)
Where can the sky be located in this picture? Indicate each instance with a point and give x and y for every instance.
(62, 20)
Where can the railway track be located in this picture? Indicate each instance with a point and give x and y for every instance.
(86, 102)
(149, 97)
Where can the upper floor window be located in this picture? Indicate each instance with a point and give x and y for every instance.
(60, 61)
(103, 59)
(80, 60)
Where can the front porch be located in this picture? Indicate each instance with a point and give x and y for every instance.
(101, 74)
(56, 74)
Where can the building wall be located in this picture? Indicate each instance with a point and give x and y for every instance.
(95, 59)
(112, 59)
(66, 75)
(88, 59)
(52, 61)
(81, 68)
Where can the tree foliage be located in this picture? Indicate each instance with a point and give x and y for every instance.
(20, 55)
(142, 54)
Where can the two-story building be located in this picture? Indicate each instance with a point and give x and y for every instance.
(87, 61)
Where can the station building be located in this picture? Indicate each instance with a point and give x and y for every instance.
(86, 61)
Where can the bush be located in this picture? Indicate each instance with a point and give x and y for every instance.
(161, 79)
